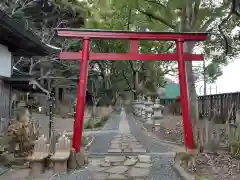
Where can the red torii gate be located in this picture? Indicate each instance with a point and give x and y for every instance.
(85, 55)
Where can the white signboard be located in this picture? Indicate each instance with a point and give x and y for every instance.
(5, 62)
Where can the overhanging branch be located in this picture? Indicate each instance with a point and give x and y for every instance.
(125, 77)
(226, 43)
(157, 18)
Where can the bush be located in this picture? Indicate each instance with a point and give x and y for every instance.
(97, 124)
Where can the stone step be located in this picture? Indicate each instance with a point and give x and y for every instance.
(163, 154)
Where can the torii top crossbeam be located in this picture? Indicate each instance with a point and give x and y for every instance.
(130, 35)
(180, 56)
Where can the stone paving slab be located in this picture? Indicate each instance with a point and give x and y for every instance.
(125, 143)
(121, 167)
(159, 168)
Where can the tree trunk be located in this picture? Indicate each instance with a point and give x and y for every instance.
(188, 47)
(93, 115)
(134, 84)
(192, 94)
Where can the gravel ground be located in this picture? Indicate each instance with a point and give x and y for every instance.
(162, 169)
(147, 141)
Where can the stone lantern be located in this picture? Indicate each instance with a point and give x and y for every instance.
(134, 103)
(143, 107)
(149, 109)
(138, 106)
(158, 108)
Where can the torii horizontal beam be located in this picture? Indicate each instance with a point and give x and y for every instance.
(129, 56)
(130, 35)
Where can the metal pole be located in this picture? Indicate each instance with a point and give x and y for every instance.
(50, 115)
(204, 79)
(51, 121)
(81, 98)
(187, 124)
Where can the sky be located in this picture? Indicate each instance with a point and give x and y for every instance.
(228, 82)
(224, 84)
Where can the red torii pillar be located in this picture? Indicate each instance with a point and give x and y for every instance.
(134, 37)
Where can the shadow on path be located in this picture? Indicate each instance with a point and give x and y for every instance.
(102, 140)
(142, 136)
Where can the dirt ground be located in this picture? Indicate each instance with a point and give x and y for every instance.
(171, 129)
(60, 123)
(170, 122)
(209, 166)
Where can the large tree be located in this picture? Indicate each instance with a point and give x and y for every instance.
(42, 16)
(137, 77)
(185, 16)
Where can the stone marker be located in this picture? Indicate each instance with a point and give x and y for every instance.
(61, 155)
(40, 153)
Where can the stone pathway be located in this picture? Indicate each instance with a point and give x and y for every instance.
(127, 158)
(123, 166)
(120, 167)
(125, 143)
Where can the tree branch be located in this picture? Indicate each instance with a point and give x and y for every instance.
(226, 43)
(35, 83)
(125, 77)
(157, 18)
(20, 60)
(41, 60)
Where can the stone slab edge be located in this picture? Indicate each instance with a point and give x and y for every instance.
(181, 172)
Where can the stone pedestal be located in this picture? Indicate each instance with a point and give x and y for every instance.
(77, 160)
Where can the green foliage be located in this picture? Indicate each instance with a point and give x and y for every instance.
(171, 15)
(201, 178)
(56, 13)
(235, 148)
(135, 15)
(121, 75)
(97, 123)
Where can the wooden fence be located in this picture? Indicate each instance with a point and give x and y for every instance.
(212, 136)
(223, 103)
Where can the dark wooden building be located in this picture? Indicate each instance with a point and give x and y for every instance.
(15, 41)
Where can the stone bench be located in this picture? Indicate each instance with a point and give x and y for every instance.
(61, 155)
(40, 154)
